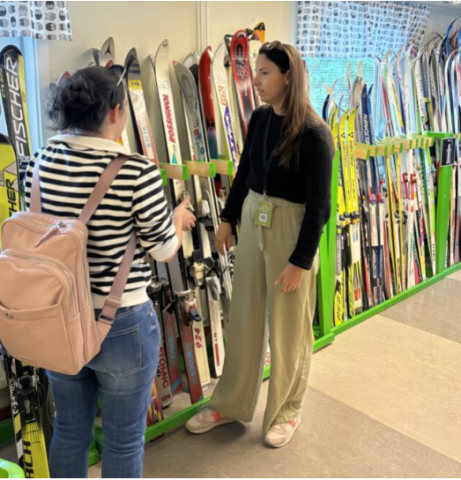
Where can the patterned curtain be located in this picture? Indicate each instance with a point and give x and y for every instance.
(358, 29)
(40, 20)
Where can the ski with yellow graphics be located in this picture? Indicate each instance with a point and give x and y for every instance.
(27, 399)
(355, 217)
(331, 116)
(9, 181)
(14, 102)
(260, 29)
(353, 249)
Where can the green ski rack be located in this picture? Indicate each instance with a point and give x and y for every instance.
(326, 275)
(325, 332)
(327, 243)
(443, 207)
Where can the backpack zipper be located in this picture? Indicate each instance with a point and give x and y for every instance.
(51, 262)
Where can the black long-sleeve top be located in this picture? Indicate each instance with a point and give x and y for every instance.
(311, 185)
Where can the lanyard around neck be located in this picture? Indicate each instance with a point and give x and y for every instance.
(267, 162)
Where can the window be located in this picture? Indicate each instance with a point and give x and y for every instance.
(325, 71)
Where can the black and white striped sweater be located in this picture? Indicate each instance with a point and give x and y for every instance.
(70, 166)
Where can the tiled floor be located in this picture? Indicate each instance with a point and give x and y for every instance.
(383, 401)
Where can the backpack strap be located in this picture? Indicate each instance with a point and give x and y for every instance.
(100, 189)
(35, 203)
(113, 301)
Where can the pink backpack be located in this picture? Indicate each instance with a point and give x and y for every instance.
(46, 312)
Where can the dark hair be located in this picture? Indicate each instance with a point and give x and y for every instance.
(299, 113)
(83, 100)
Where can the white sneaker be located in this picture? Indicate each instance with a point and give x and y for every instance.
(206, 420)
(280, 435)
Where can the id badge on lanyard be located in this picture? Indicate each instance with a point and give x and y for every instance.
(263, 217)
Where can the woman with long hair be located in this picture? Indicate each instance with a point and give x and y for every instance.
(281, 198)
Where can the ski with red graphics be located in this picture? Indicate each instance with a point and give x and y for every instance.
(239, 54)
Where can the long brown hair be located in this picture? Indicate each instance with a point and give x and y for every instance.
(298, 112)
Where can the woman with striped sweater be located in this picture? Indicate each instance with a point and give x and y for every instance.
(91, 107)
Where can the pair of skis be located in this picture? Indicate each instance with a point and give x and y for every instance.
(28, 387)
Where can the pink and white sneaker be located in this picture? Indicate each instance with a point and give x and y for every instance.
(206, 420)
(279, 435)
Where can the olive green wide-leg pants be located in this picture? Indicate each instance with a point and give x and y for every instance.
(258, 313)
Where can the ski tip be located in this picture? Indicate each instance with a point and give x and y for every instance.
(189, 59)
(96, 56)
(206, 50)
(163, 46)
(131, 57)
(260, 26)
(66, 74)
(227, 42)
(11, 49)
(108, 47)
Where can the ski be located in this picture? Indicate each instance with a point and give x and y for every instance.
(184, 306)
(138, 106)
(107, 53)
(163, 379)
(161, 66)
(260, 29)
(14, 99)
(242, 76)
(206, 95)
(27, 398)
(9, 182)
(222, 93)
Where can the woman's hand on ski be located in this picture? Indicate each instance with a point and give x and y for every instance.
(290, 278)
(185, 216)
(222, 236)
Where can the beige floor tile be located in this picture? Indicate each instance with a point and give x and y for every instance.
(402, 377)
(436, 310)
(456, 275)
(334, 440)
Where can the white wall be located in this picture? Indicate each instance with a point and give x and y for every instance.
(144, 25)
(228, 17)
(440, 18)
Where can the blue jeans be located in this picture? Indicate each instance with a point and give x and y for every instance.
(121, 375)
